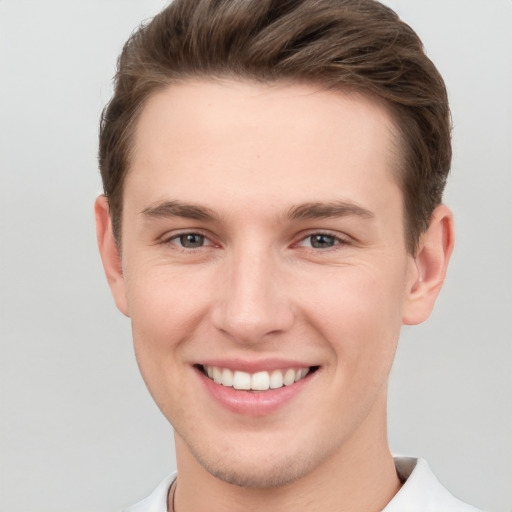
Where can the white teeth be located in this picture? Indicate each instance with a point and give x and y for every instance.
(217, 375)
(259, 381)
(227, 377)
(276, 379)
(241, 380)
(289, 377)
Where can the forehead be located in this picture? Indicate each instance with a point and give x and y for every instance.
(256, 138)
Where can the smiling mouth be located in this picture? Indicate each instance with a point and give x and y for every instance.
(259, 381)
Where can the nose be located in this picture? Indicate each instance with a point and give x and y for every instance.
(252, 303)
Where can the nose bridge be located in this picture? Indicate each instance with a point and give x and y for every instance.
(251, 303)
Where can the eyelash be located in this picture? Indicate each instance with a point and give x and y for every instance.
(171, 240)
(337, 241)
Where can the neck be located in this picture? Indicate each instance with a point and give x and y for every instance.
(360, 477)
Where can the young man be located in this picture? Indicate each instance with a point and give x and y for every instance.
(273, 176)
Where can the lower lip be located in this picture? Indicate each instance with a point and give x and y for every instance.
(253, 403)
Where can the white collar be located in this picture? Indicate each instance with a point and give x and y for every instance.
(421, 490)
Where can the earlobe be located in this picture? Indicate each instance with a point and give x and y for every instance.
(430, 265)
(109, 252)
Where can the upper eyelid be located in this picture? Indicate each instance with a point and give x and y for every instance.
(338, 236)
(168, 236)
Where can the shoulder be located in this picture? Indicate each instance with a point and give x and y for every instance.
(421, 490)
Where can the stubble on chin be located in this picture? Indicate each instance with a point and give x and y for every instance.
(240, 469)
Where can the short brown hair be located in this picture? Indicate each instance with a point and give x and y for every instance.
(357, 45)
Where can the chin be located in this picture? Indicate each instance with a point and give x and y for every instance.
(260, 469)
(266, 476)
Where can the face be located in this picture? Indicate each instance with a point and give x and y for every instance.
(263, 248)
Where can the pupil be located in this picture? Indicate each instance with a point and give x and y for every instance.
(191, 240)
(322, 241)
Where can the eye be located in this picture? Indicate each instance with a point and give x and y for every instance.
(189, 240)
(321, 241)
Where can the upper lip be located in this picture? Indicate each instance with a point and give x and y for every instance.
(254, 366)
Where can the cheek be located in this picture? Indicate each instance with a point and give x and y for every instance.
(165, 310)
(163, 303)
(359, 313)
(162, 321)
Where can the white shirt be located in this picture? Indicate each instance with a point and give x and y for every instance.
(420, 492)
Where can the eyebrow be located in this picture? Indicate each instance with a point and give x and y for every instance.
(304, 211)
(334, 209)
(167, 209)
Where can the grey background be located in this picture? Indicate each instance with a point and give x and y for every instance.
(78, 430)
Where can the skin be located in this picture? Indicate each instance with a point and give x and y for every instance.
(258, 288)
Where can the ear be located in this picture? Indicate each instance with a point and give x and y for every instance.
(109, 252)
(429, 267)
